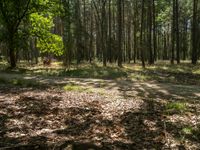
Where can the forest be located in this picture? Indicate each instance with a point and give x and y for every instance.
(99, 74)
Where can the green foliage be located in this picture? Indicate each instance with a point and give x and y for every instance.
(53, 44)
(48, 42)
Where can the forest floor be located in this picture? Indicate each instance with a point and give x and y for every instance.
(91, 107)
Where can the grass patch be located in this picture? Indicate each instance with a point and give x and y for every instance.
(184, 73)
(19, 82)
(24, 83)
(77, 88)
(83, 71)
(163, 72)
(140, 77)
(74, 88)
(96, 72)
(176, 107)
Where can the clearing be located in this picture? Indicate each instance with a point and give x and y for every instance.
(92, 107)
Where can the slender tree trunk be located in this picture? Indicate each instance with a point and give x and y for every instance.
(185, 39)
(129, 41)
(91, 51)
(177, 33)
(110, 33)
(141, 35)
(103, 32)
(12, 51)
(135, 29)
(154, 32)
(172, 32)
(119, 35)
(194, 33)
(12, 58)
(67, 35)
(78, 32)
(151, 59)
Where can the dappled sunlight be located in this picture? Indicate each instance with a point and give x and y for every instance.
(51, 116)
(99, 75)
(98, 113)
(197, 94)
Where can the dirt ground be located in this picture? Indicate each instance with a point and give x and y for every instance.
(106, 114)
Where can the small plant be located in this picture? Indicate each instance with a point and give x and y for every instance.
(187, 130)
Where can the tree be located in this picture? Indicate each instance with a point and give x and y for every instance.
(12, 14)
(47, 42)
(102, 30)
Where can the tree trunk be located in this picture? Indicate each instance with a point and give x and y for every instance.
(194, 33)
(151, 59)
(103, 32)
(177, 34)
(154, 32)
(172, 33)
(135, 30)
(12, 52)
(141, 35)
(119, 35)
(110, 33)
(78, 32)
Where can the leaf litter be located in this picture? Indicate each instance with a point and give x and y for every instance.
(54, 119)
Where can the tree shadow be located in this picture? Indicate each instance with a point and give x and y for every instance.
(155, 90)
(86, 127)
(15, 120)
(145, 130)
(34, 106)
(80, 121)
(150, 126)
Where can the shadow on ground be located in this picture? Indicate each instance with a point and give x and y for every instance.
(48, 122)
(40, 118)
